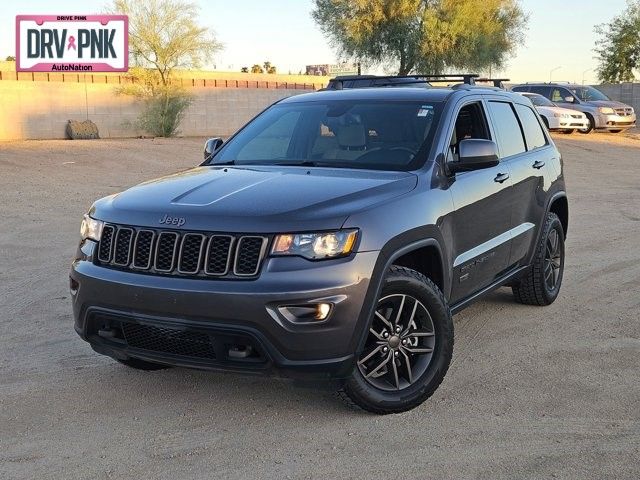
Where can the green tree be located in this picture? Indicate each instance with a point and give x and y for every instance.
(244, 70)
(163, 35)
(429, 36)
(257, 69)
(10, 58)
(618, 46)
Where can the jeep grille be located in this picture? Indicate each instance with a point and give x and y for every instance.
(181, 253)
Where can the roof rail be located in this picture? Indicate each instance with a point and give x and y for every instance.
(364, 81)
(497, 82)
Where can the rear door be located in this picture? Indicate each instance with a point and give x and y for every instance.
(524, 175)
(529, 173)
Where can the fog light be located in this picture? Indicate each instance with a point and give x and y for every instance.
(306, 313)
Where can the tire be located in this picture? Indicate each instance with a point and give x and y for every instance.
(425, 324)
(138, 364)
(589, 129)
(543, 280)
(568, 131)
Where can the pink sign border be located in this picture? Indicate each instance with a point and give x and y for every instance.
(46, 67)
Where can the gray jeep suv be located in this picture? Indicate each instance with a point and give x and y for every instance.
(602, 112)
(332, 237)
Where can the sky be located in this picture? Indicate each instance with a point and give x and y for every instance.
(560, 34)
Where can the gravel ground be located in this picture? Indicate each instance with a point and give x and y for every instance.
(532, 392)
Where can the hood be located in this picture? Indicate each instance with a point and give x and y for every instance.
(607, 103)
(253, 199)
(552, 110)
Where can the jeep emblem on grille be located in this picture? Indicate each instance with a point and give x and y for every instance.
(177, 221)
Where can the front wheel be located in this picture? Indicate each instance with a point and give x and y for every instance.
(542, 283)
(408, 347)
(589, 128)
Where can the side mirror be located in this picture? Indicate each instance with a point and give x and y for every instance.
(211, 146)
(569, 99)
(474, 154)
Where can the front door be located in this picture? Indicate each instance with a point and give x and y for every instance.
(482, 216)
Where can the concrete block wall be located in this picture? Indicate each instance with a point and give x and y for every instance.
(40, 110)
(628, 93)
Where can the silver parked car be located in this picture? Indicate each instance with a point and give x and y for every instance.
(603, 113)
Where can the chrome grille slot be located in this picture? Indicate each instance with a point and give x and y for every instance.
(166, 249)
(143, 249)
(105, 248)
(249, 255)
(191, 253)
(218, 255)
(122, 250)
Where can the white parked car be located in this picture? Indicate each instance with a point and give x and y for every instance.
(558, 118)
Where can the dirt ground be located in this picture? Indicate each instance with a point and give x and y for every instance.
(532, 392)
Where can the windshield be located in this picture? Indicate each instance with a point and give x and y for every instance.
(540, 101)
(380, 135)
(588, 94)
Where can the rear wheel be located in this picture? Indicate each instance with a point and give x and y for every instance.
(408, 347)
(542, 283)
(138, 364)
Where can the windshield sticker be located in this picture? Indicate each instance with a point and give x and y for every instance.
(425, 110)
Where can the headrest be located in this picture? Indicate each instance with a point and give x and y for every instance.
(351, 136)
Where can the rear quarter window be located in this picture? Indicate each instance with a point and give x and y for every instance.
(508, 133)
(533, 133)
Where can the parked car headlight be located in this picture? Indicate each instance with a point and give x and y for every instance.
(316, 246)
(561, 115)
(606, 110)
(91, 228)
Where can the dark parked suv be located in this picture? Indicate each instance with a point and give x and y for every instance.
(332, 237)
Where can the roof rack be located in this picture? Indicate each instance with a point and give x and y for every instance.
(497, 82)
(364, 81)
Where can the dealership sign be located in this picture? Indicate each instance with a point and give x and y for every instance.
(72, 43)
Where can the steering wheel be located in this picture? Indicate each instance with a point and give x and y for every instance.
(377, 154)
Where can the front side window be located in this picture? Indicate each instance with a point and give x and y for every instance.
(533, 133)
(508, 133)
(559, 95)
(380, 135)
(471, 122)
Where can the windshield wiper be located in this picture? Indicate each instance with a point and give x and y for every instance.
(230, 162)
(305, 163)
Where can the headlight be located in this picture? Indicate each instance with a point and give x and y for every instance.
(606, 110)
(91, 228)
(316, 246)
(561, 115)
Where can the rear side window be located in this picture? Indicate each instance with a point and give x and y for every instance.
(533, 133)
(520, 89)
(544, 91)
(507, 128)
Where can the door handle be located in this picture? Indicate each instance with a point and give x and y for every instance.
(501, 177)
(538, 164)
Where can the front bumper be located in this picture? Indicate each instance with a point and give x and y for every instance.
(231, 313)
(615, 122)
